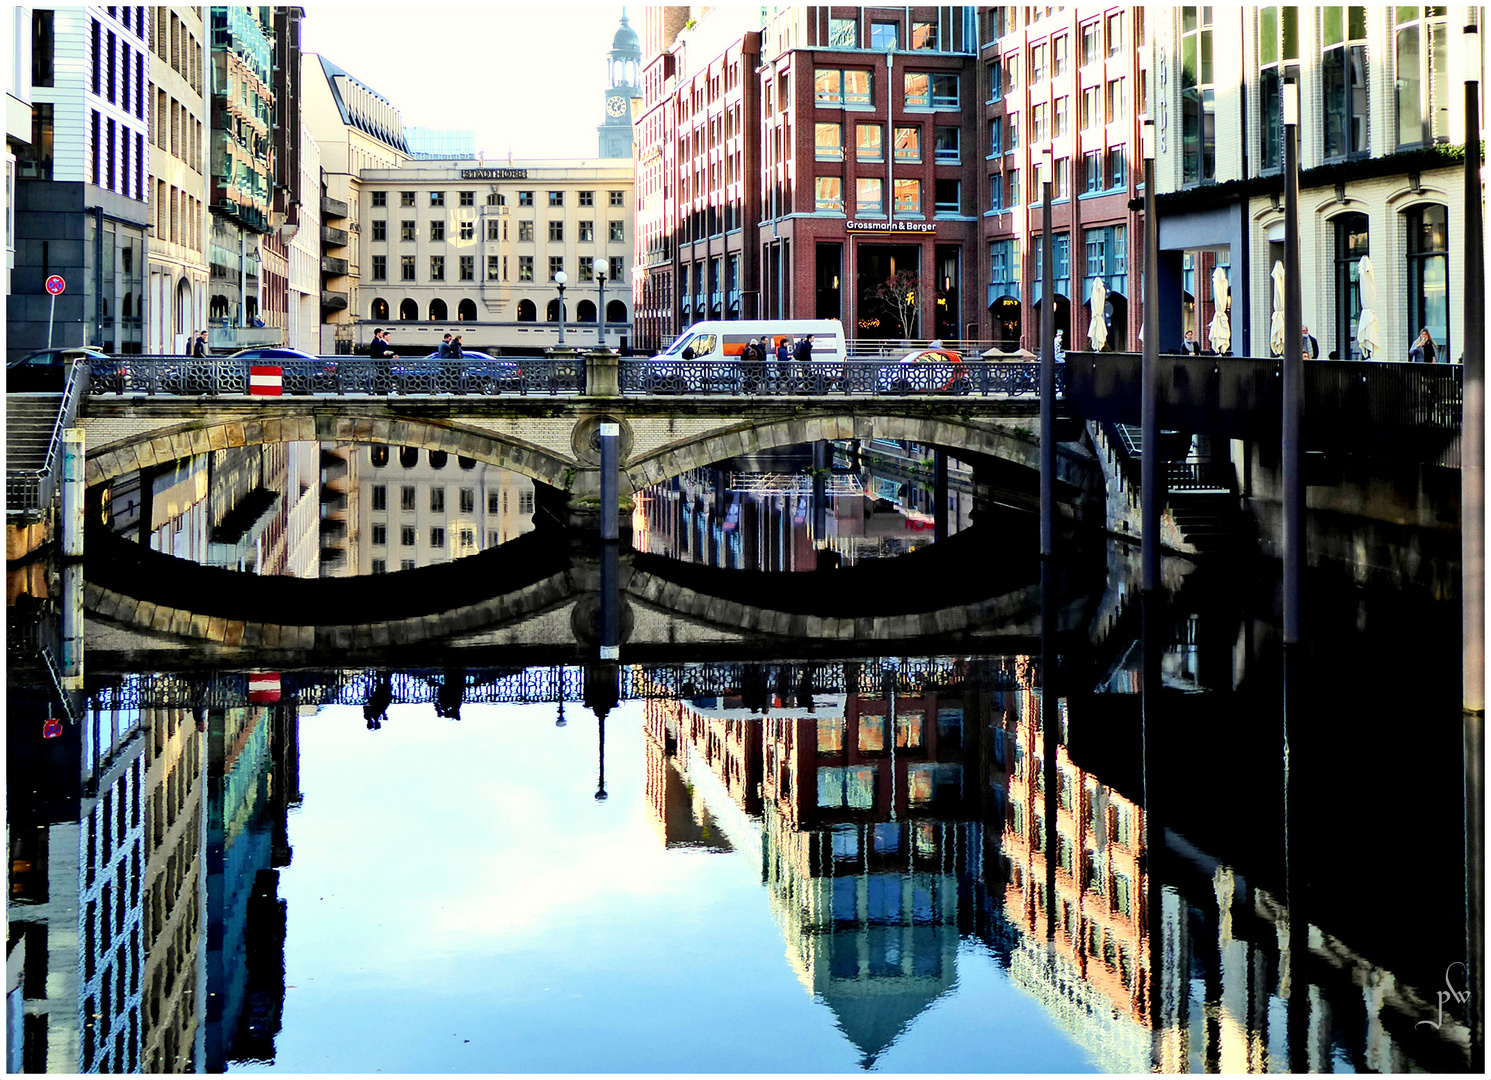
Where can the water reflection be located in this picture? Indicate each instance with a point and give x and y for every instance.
(943, 882)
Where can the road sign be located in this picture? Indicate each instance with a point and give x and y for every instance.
(266, 381)
(52, 729)
(263, 687)
(55, 284)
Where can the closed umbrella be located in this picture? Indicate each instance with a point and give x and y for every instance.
(1367, 330)
(1221, 330)
(1276, 324)
(1097, 330)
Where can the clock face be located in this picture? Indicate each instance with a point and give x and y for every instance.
(615, 106)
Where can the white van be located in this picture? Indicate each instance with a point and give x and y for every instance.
(726, 340)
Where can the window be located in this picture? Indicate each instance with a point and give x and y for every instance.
(437, 198)
(493, 232)
(1117, 101)
(1117, 167)
(437, 500)
(556, 264)
(832, 86)
(1059, 55)
(380, 230)
(918, 90)
(406, 230)
(468, 267)
(1038, 123)
(556, 232)
(869, 197)
(380, 198)
(525, 198)
(406, 535)
(525, 267)
(949, 196)
(883, 35)
(437, 537)
(468, 500)
(587, 270)
(829, 194)
(1344, 80)
(996, 137)
(1278, 55)
(468, 230)
(614, 198)
(1115, 33)
(868, 142)
(468, 198)
(1061, 113)
(1091, 42)
(585, 198)
(1351, 245)
(996, 191)
(1092, 109)
(406, 198)
(908, 144)
(618, 267)
(1012, 73)
(492, 274)
(923, 35)
(587, 232)
(1198, 116)
(1038, 64)
(996, 80)
(945, 91)
(1060, 171)
(380, 535)
(1428, 276)
(408, 491)
(406, 268)
(1106, 248)
(616, 232)
(1421, 43)
(908, 196)
(1092, 171)
(843, 33)
(1012, 186)
(380, 491)
(948, 146)
(828, 141)
(380, 267)
(437, 267)
(437, 230)
(556, 198)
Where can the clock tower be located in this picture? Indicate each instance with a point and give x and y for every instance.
(623, 83)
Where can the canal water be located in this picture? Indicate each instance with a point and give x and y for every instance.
(1056, 829)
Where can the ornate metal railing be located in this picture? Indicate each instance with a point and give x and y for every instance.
(891, 378)
(30, 490)
(330, 375)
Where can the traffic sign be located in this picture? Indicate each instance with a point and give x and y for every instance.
(55, 284)
(52, 729)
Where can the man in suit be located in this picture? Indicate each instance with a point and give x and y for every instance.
(1310, 345)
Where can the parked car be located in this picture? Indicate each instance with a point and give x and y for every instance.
(472, 373)
(925, 371)
(300, 372)
(46, 370)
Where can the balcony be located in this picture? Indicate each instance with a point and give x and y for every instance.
(334, 266)
(333, 237)
(333, 208)
(226, 339)
(333, 301)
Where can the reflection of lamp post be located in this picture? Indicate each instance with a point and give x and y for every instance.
(561, 279)
(600, 311)
(560, 722)
(1149, 386)
(1294, 375)
(1473, 426)
(1048, 365)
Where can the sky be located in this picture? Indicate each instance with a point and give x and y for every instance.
(528, 79)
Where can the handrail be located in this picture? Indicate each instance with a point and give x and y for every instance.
(29, 490)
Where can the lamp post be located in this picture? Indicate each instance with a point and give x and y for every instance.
(890, 133)
(1293, 374)
(1149, 380)
(600, 311)
(561, 279)
(1048, 366)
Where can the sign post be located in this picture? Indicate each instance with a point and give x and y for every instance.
(55, 285)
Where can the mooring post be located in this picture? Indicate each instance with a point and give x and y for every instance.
(1048, 367)
(1149, 383)
(939, 495)
(1294, 376)
(74, 459)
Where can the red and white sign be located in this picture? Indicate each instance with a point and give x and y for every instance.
(263, 687)
(266, 381)
(52, 729)
(55, 284)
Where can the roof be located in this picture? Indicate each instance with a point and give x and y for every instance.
(356, 118)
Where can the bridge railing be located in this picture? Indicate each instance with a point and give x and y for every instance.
(853, 377)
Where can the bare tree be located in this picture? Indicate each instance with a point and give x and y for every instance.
(898, 295)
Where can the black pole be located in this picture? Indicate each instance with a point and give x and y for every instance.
(823, 458)
(610, 435)
(1048, 371)
(1152, 614)
(1050, 738)
(1149, 388)
(939, 495)
(1294, 376)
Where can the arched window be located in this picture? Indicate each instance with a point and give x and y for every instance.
(437, 310)
(466, 312)
(408, 456)
(184, 318)
(551, 313)
(1428, 277)
(378, 312)
(466, 462)
(616, 312)
(584, 311)
(527, 311)
(438, 458)
(1351, 245)
(409, 311)
(379, 455)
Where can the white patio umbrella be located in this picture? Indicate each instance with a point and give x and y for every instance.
(1276, 324)
(1221, 330)
(1097, 330)
(1367, 330)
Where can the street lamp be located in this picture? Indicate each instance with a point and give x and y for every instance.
(1149, 380)
(561, 279)
(600, 311)
(890, 131)
(1048, 366)
(1473, 408)
(1293, 370)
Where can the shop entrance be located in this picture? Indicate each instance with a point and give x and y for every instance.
(888, 292)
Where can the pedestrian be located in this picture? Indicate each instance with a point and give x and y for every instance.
(1424, 350)
(378, 348)
(455, 347)
(753, 364)
(199, 346)
(1191, 346)
(803, 354)
(444, 351)
(1312, 347)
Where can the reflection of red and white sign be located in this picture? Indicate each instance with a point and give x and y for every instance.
(263, 687)
(52, 729)
(55, 285)
(265, 381)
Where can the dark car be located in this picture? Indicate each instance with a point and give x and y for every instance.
(47, 370)
(471, 373)
(300, 372)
